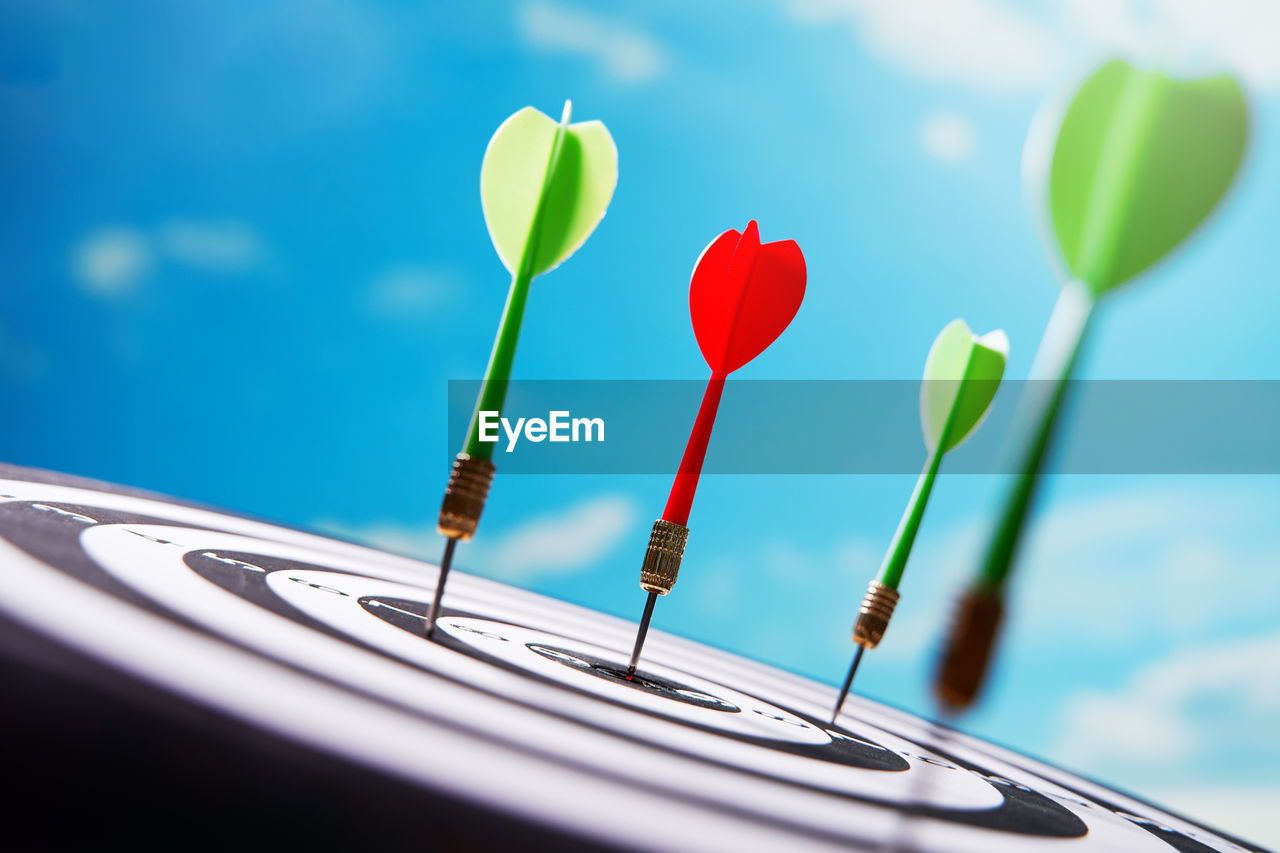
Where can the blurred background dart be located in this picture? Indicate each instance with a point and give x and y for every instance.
(1133, 165)
(961, 376)
(544, 186)
(742, 296)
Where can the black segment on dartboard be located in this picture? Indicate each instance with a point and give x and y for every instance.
(1173, 837)
(653, 685)
(49, 531)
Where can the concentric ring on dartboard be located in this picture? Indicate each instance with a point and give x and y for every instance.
(333, 596)
(236, 574)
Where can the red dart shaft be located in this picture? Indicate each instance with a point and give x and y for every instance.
(680, 502)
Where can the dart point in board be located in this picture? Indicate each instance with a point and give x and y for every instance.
(544, 187)
(743, 294)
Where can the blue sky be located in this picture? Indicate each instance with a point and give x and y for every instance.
(243, 253)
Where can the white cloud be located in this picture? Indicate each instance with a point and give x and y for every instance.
(562, 543)
(1143, 565)
(989, 46)
(408, 290)
(553, 544)
(1193, 34)
(420, 541)
(112, 261)
(627, 54)
(948, 137)
(982, 44)
(1206, 706)
(227, 246)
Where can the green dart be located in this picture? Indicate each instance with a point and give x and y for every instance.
(544, 187)
(961, 377)
(1132, 166)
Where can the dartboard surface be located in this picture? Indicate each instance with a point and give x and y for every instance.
(216, 651)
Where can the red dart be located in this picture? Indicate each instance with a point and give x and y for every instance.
(741, 297)
(743, 294)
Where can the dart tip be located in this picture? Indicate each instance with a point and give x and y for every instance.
(640, 634)
(446, 561)
(848, 683)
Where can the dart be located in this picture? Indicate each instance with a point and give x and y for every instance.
(1127, 171)
(961, 376)
(544, 187)
(742, 295)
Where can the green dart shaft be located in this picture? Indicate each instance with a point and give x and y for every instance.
(493, 391)
(1061, 346)
(1109, 205)
(904, 538)
(895, 560)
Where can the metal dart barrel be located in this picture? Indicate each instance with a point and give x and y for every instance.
(464, 497)
(662, 558)
(963, 667)
(874, 614)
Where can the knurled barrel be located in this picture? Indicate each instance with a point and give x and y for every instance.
(874, 614)
(464, 497)
(968, 651)
(662, 557)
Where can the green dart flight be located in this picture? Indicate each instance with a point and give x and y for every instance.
(544, 186)
(1138, 161)
(961, 377)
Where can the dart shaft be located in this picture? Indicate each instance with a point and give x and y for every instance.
(680, 501)
(895, 559)
(1055, 361)
(493, 391)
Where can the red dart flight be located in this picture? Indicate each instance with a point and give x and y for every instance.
(743, 294)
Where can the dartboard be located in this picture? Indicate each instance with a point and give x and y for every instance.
(161, 656)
